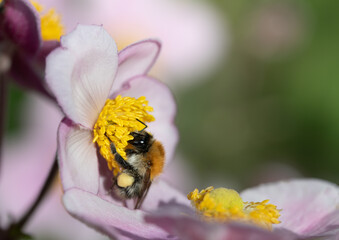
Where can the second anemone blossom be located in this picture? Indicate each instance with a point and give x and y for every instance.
(112, 110)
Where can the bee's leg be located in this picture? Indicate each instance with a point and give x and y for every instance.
(141, 199)
(144, 191)
(120, 160)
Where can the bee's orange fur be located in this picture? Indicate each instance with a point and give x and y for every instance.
(157, 155)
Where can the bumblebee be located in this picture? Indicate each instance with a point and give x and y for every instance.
(145, 160)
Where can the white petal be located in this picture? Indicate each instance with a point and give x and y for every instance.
(81, 72)
(134, 60)
(303, 202)
(78, 158)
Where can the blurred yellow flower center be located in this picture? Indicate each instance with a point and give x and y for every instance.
(50, 23)
(118, 118)
(224, 205)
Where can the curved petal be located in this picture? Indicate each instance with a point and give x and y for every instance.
(78, 160)
(327, 226)
(303, 202)
(81, 72)
(161, 192)
(161, 99)
(108, 217)
(21, 25)
(182, 222)
(136, 59)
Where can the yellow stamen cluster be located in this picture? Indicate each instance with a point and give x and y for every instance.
(50, 23)
(118, 118)
(224, 205)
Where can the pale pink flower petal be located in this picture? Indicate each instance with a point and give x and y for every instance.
(304, 203)
(27, 158)
(182, 222)
(193, 33)
(78, 159)
(25, 164)
(136, 59)
(161, 99)
(327, 226)
(161, 192)
(81, 72)
(108, 217)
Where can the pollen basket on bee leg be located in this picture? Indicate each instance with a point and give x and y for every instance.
(118, 118)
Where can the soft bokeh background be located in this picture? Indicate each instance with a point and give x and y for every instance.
(271, 110)
(269, 107)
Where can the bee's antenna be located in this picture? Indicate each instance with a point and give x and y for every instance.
(143, 124)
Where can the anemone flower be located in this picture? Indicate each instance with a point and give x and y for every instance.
(309, 210)
(85, 73)
(193, 33)
(26, 39)
(25, 164)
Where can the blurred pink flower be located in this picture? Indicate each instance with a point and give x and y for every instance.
(26, 162)
(22, 48)
(193, 33)
(276, 28)
(19, 25)
(309, 210)
(84, 72)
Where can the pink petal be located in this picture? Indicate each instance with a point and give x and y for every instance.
(108, 217)
(303, 202)
(161, 192)
(78, 158)
(163, 103)
(136, 59)
(81, 72)
(182, 222)
(327, 226)
(53, 221)
(27, 157)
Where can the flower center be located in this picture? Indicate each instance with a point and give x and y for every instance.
(118, 118)
(224, 205)
(50, 23)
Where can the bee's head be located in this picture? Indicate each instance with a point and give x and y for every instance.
(141, 140)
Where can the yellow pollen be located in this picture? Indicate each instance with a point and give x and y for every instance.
(224, 205)
(50, 23)
(118, 118)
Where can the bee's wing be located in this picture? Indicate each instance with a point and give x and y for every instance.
(146, 185)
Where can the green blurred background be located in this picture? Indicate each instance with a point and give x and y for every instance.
(273, 105)
(270, 110)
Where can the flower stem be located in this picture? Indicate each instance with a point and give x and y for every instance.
(3, 97)
(52, 174)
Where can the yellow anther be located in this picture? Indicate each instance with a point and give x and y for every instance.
(118, 118)
(50, 23)
(223, 204)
